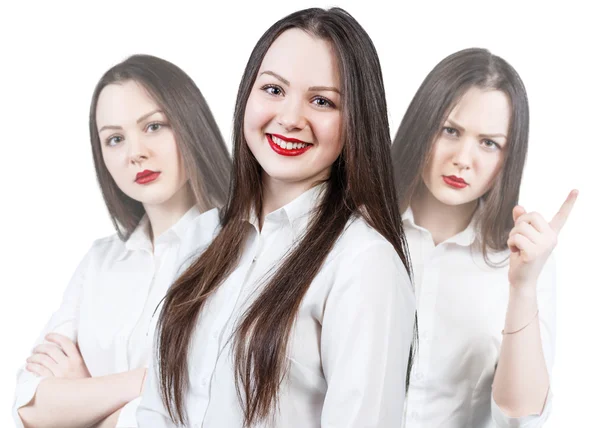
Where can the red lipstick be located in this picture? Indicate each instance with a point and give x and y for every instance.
(146, 176)
(454, 181)
(286, 152)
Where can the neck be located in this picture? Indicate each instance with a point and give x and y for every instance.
(277, 193)
(163, 216)
(441, 220)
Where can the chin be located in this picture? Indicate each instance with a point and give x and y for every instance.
(153, 197)
(282, 173)
(286, 178)
(452, 199)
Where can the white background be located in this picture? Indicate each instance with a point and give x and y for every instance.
(53, 53)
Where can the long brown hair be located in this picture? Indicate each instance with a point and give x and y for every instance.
(205, 156)
(361, 182)
(422, 123)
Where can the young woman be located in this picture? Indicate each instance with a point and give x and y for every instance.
(301, 312)
(161, 165)
(486, 307)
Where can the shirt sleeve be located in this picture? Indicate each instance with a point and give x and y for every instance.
(63, 321)
(366, 336)
(127, 415)
(546, 295)
(151, 412)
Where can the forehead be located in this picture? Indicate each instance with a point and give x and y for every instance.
(122, 103)
(302, 59)
(483, 111)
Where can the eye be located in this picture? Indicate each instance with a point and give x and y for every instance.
(489, 144)
(153, 127)
(114, 140)
(272, 90)
(323, 102)
(448, 130)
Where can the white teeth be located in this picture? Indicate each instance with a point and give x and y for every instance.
(287, 145)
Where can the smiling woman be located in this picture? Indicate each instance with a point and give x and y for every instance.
(162, 165)
(284, 320)
(297, 104)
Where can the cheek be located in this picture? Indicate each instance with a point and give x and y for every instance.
(180, 167)
(328, 130)
(258, 114)
(170, 157)
(435, 160)
(490, 170)
(112, 160)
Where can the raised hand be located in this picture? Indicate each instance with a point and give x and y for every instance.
(532, 240)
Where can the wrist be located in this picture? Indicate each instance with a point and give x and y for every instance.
(523, 290)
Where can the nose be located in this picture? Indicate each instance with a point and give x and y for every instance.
(463, 155)
(291, 116)
(137, 150)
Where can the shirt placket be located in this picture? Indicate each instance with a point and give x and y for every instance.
(426, 304)
(222, 329)
(251, 281)
(137, 308)
(160, 256)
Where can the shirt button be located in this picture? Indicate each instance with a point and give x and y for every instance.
(215, 334)
(203, 381)
(419, 376)
(414, 415)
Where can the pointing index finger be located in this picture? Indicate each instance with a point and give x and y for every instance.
(559, 220)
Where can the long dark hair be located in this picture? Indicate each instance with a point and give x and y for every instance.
(361, 182)
(438, 94)
(205, 156)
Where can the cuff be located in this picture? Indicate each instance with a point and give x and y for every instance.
(127, 418)
(531, 421)
(27, 385)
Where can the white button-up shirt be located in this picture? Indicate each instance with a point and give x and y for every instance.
(108, 305)
(461, 305)
(349, 347)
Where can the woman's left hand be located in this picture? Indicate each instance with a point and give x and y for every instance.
(531, 241)
(61, 358)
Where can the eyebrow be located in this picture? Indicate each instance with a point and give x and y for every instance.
(460, 128)
(324, 88)
(142, 118)
(311, 89)
(275, 75)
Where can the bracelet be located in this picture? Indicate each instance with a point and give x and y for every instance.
(522, 328)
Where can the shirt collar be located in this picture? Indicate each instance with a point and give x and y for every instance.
(465, 238)
(296, 214)
(178, 230)
(140, 238)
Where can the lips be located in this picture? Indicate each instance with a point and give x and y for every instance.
(454, 181)
(146, 176)
(287, 146)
